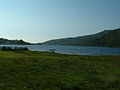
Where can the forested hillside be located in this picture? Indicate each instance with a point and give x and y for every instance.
(15, 42)
(109, 38)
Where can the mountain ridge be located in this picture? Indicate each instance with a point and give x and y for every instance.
(107, 38)
(13, 42)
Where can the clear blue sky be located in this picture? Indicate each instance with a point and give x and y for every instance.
(41, 20)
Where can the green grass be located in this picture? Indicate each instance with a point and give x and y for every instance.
(50, 71)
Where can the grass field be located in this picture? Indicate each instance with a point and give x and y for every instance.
(31, 70)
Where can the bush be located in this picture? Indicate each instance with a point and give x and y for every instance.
(14, 48)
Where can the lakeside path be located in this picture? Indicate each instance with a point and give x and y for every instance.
(33, 70)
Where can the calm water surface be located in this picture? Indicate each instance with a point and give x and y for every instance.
(78, 50)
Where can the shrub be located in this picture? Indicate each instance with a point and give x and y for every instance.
(14, 48)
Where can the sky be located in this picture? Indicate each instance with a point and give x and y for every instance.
(42, 20)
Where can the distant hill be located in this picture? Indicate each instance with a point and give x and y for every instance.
(108, 38)
(15, 42)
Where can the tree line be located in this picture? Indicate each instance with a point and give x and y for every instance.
(4, 48)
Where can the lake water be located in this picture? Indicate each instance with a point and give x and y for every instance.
(78, 50)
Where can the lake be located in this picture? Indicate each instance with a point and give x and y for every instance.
(78, 50)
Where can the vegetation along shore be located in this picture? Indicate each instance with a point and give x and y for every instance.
(33, 70)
